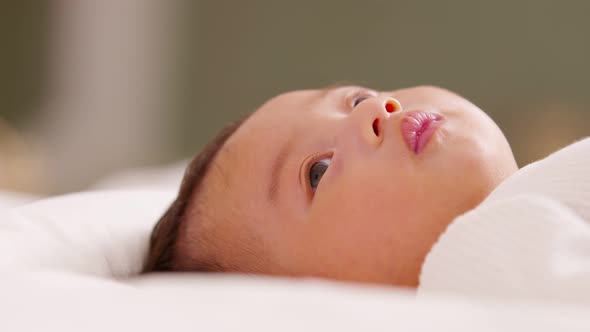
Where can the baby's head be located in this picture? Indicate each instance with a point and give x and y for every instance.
(338, 183)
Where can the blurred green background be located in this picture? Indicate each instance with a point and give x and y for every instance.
(523, 62)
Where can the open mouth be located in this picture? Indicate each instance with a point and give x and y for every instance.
(418, 127)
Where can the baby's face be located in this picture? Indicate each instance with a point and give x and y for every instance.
(314, 186)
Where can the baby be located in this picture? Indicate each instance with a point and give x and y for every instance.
(345, 183)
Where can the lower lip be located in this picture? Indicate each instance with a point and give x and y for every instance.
(417, 128)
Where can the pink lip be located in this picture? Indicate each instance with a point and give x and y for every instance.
(417, 128)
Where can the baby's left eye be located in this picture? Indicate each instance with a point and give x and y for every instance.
(316, 171)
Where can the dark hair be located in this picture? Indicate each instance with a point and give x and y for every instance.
(162, 254)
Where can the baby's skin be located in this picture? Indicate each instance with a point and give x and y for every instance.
(345, 183)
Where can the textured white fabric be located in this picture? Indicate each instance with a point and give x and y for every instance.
(529, 240)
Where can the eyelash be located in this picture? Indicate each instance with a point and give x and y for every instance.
(359, 96)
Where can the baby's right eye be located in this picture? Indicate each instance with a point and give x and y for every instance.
(361, 95)
(359, 99)
(316, 171)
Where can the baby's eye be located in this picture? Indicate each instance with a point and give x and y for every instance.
(316, 171)
(361, 95)
(360, 99)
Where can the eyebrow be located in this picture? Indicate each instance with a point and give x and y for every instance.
(277, 167)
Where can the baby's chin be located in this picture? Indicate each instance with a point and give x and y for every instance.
(463, 175)
(475, 149)
(492, 170)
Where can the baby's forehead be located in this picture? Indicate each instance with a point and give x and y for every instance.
(272, 117)
(270, 123)
(267, 127)
(285, 101)
(240, 163)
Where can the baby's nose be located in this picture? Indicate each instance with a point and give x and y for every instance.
(370, 119)
(392, 105)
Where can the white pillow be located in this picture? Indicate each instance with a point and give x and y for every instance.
(96, 233)
(10, 199)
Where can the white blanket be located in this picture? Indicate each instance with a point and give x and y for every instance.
(529, 240)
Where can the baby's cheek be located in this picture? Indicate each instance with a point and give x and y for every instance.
(355, 208)
(360, 232)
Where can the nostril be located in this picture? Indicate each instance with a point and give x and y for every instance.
(376, 127)
(391, 106)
